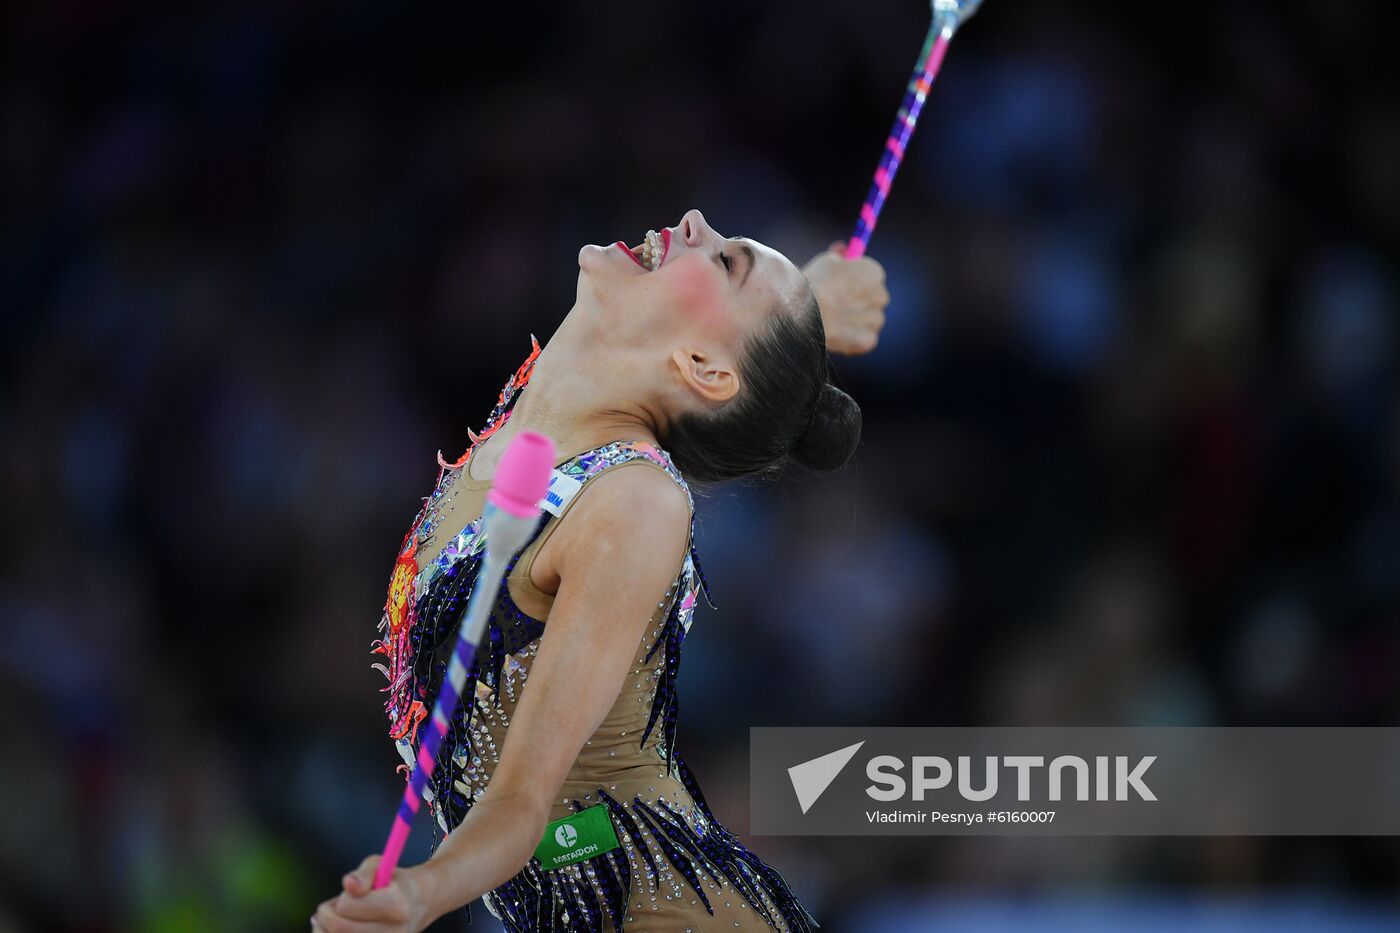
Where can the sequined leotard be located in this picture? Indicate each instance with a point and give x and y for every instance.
(677, 868)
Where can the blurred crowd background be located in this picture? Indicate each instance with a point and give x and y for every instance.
(1132, 433)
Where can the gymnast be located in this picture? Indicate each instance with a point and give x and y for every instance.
(564, 803)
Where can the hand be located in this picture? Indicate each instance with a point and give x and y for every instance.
(852, 296)
(398, 907)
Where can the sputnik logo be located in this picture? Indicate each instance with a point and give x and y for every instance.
(811, 778)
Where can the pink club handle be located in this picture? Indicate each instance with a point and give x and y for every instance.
(948, 15)
(393, 849)
(930, 61)
(521, 481)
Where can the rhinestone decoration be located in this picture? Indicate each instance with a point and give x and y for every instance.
(673, 851)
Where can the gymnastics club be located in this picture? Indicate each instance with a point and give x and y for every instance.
(948, 15)
(511, 513)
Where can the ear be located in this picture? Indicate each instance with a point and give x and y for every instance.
(713, 379)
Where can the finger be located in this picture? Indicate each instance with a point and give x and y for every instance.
(355, 883)
(324, 918)
(861, 305)
(872, 268)
(864, 341)
(384, 906)
(853, 345)
(327, 920)
(868, 297)
(864, 324)
(838, 346)
(362, 878)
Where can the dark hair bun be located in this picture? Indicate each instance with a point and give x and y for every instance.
(834, 434)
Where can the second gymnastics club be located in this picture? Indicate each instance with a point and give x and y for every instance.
(511, 513)
(948, 15)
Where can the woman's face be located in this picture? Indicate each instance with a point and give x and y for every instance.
(699, 289)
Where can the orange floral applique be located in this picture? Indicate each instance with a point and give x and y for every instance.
(401, 591)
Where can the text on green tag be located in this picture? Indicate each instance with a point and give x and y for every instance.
(577, 837)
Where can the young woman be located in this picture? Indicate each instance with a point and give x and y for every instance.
(565, 804)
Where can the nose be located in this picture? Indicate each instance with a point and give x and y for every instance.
(694, 229)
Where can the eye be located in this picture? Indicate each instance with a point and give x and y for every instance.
(728, 263)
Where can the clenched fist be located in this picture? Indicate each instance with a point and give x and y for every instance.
(852, 296)
(395, 908)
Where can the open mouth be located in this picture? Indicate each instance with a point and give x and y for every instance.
(650, 254)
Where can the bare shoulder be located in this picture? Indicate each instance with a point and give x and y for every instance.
(640, 505)
(626, 536)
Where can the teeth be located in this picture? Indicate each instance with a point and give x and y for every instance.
(653, 248)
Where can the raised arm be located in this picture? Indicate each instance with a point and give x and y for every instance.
(622, 546)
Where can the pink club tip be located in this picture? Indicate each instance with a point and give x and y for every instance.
(522, 478)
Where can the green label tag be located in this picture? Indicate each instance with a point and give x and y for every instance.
(577, 837)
